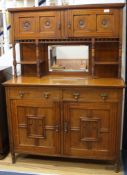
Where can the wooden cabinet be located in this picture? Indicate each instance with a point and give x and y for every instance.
(97, 26)
(84, 22)
(81, 122)
(66, 114)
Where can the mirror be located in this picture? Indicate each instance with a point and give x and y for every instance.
(68, 58)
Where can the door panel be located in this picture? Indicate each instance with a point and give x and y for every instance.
(25, 26)
(90, 130)
(49, 24)
(82, 23)
(36, 126)
(105, 23)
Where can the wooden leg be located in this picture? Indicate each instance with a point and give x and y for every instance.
(13, 158)
(118, 164)
(2, 156)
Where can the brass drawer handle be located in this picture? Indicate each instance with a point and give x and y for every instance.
(46, 95)
(21, 94)
(76, 95)
(104, 96)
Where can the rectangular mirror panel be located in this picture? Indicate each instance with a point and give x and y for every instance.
(68, 58)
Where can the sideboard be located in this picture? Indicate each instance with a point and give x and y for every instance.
(59, 112)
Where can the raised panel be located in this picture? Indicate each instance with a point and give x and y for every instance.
(91, 130)
(84, 24)
(25, 26)
(105, 23)
(108, 23)
(36, 126)
(49, 24)
(81, 23)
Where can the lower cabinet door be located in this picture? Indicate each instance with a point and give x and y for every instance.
(90, 130)
(35, 126)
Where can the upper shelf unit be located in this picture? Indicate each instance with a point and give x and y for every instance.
(67, 22)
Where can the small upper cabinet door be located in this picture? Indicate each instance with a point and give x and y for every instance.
(81, 23)
(95, 22)
(49, 24)
(108, 23)
(25, 26)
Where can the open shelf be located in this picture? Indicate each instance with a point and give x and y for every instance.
(106, 63)
(29, 62)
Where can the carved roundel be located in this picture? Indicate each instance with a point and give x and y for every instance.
(81, 23)
(26, 25)
(47, 23)
(105, 22)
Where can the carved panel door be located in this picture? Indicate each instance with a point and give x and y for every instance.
(25, 26)
(36, 126)
(81, 23)
(49, 24)
(90, 130)
(108, 23)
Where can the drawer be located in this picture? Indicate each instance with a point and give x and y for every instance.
(34, 92)
(90, 94)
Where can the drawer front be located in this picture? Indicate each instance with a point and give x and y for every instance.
(90, 94)
(44, 93)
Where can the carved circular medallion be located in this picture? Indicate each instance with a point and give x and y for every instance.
(105, 22)
(47, 23)
(26, 25)
(81, 23)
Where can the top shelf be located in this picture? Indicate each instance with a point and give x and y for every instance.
(60, 7)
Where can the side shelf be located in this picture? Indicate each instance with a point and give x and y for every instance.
(106, 57)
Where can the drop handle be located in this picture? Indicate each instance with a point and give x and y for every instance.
(76, 95)
(104, 96)
(21, 94)
(57, 128)
(65, 127)
(46, 95)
